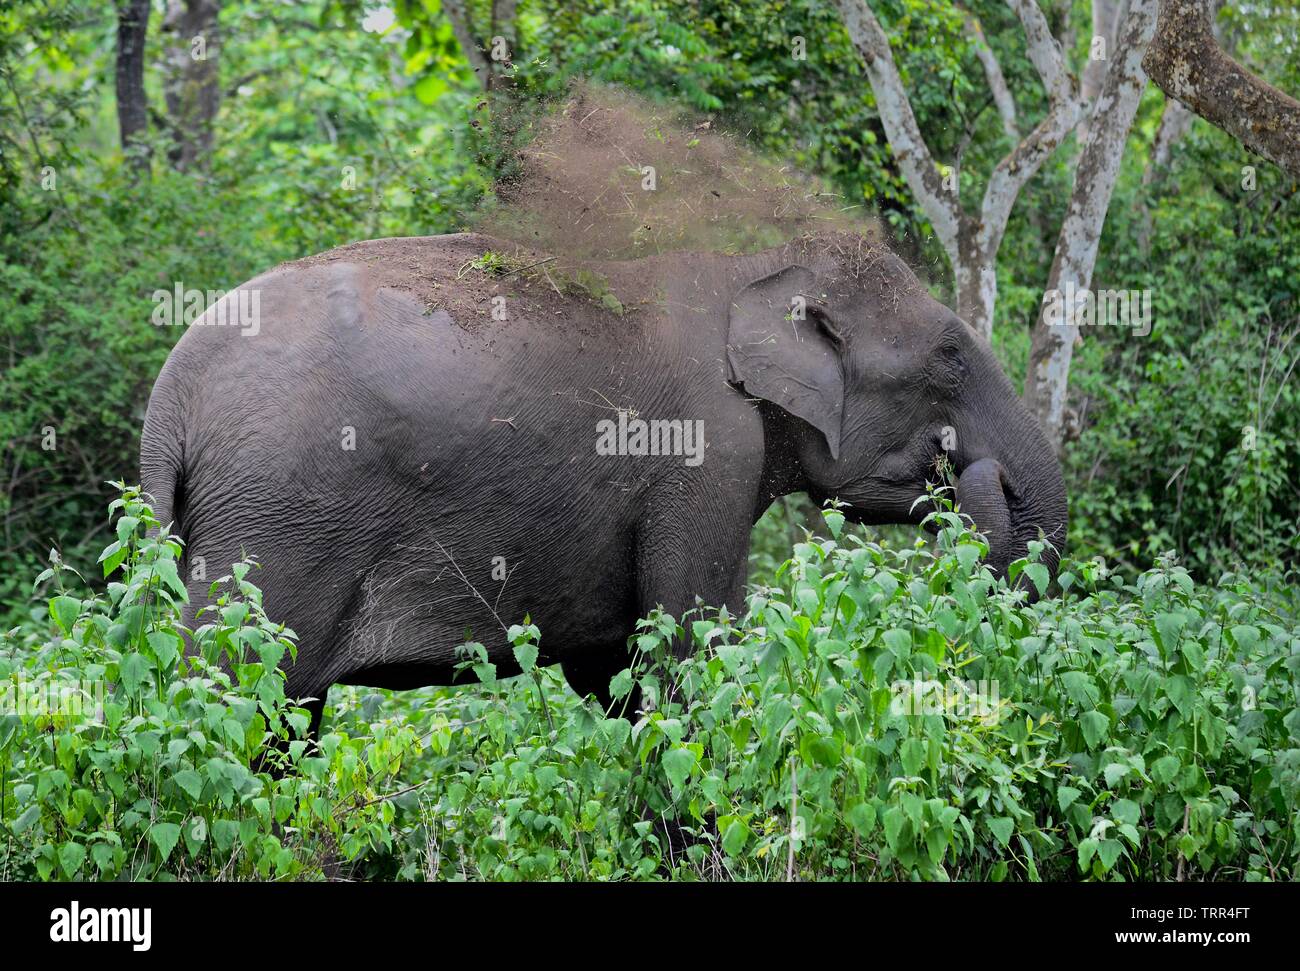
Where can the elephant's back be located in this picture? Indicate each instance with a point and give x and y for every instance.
(398, 347)
(353, 308)
(431, 272)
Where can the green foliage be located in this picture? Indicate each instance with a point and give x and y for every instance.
(133, 749)
(1125, 731)
(876, 714)
(76, 316)
(1193, 433)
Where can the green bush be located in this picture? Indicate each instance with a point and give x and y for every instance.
(1192, 433)
(1142, 730)
(125, 755)
(1192, 451)
(876, 714)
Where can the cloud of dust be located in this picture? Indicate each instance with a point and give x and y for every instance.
(611, 176)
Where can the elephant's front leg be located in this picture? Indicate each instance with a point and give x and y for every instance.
(693, 562)
(686, 570)
(680, 561)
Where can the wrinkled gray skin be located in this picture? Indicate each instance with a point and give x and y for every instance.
(475, 439)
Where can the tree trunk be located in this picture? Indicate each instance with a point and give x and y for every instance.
(971, 242)
(1052, 342)
(1105, 17)
(997, 82)
(976, 279)
(192, 87)
(458, 13)
(1187, 63)
(502, 52)
(132, 108)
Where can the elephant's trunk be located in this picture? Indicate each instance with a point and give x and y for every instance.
(982, 496)
(1019, 500)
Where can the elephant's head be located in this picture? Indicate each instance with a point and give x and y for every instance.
(867, 381)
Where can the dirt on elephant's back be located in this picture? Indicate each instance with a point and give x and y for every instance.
(481, 281)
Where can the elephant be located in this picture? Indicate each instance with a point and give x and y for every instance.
(423, 440)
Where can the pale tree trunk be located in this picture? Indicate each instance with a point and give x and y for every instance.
(132, 107)
(192, 86)
(974, 273)
(997, 83)
(970, 241)
(1187, 63)
(1052, 344)
(975, 277)
(1105, 21)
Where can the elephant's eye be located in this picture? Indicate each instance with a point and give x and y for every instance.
(947, 364)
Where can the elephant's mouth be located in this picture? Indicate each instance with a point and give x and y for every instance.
(1009, 512)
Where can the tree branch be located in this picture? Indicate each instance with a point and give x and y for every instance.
(1111, 116)
(1044, 52)
(1187, 63)
(458, 14)
(1019, 166)
(997, 83)
(918, 166)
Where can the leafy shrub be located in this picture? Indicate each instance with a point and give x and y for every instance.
(1142, 730)
(1192, 433)
(877, 713)
(125, 755)
(1218, 487)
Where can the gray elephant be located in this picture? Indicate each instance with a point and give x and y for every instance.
(424, 439)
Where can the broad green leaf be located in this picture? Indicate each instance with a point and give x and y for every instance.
(735, 836)
(678, 763)
(64, 610)
(1095, 727)
(164, 836)
(71, 856)
(1002, 827)
(1066, 796)
(190, 781)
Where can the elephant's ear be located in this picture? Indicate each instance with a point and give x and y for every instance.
(793, 363)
